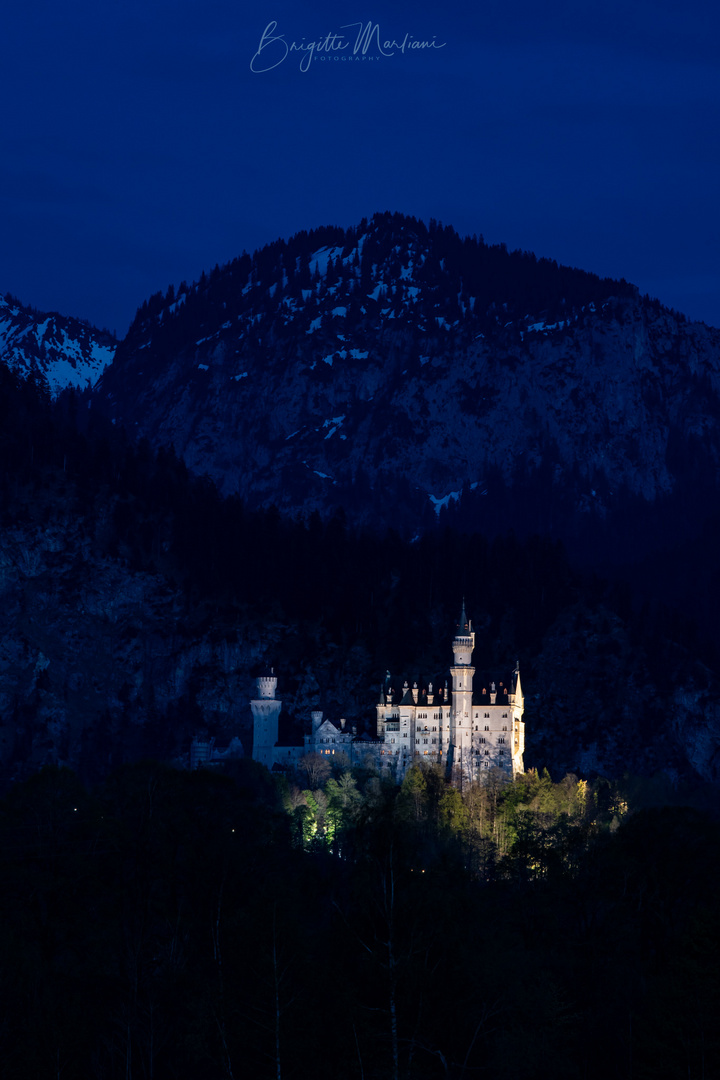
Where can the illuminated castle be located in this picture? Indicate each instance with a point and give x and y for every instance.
(467, 730)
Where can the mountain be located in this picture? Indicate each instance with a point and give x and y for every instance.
(408, 377)
(138, 605)
(396, 368)
(60, 350)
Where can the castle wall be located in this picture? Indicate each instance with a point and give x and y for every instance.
(469, 739)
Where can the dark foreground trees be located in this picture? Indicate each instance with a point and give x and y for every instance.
(176, 924)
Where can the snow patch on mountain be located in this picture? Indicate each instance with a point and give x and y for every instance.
(64, 351)
(443, 501)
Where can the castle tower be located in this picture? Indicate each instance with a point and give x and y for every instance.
(266, 712)
(517, 704)
(462, 673)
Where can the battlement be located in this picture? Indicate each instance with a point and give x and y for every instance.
(266, 686)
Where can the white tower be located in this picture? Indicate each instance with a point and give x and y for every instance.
(266, 711)
(517, 704)
(462, 673)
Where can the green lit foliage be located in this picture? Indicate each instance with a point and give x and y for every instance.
(525, 829)
(412, 800)
(344, 802)
(452, 812)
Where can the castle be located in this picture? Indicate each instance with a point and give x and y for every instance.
(466, 731)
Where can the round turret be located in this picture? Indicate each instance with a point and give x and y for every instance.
(267, 685)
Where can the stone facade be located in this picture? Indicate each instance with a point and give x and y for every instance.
(468, 729)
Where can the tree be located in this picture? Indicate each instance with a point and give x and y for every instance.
(412, 801)
(316, 768)
(452, 812)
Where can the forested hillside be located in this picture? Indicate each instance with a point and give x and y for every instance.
(139, 605)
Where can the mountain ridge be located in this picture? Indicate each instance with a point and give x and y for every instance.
(58, 349)
(382, 366)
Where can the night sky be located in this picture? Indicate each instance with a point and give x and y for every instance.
(140, 147)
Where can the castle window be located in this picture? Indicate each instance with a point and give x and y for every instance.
(500, 739)
(501, 752)
(434, 740)
(487, 752)
(482, 740)
(504, 727)
(487, 727)
(504, 715)
(487, 715)
(486, 764)
(425, 741)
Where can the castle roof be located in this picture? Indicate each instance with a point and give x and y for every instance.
(464, 627)
(405, 696)
(483, 686)
(504, 685)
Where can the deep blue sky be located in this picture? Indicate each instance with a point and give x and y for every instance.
(139, 148)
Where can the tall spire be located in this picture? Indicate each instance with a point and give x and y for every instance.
(464, 641)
